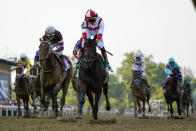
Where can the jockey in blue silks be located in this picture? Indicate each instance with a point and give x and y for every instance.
(172, 64)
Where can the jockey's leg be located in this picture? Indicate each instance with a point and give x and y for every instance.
(100, 45)
(65, 63)
(107, 65)
(145, 79)
(79, 62)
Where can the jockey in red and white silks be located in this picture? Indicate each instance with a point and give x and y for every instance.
(93, 26)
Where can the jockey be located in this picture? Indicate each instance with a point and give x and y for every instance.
(24, 62)
(169, 69)
(171, 66)
(36, 59)
(54, 36)
(94, 26)
(139, 65)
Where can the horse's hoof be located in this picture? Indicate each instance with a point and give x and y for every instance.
(78, 116)
(59, 118)
(108, 108)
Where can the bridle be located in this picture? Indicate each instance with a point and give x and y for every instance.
(43, 61)
(18, 76)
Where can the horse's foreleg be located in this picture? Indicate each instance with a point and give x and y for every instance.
(171, 109)
(144, 102)
(187, 110)
(90, 99)
(105, 91)
(27, 106)
(55, 105)
(148, 99)
(135, 100)
(179, 106)
(18, 103)
(95, 107)
(192, 105)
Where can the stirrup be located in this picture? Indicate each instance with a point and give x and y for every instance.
(77, 74)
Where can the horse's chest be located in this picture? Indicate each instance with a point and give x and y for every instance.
(51, 80)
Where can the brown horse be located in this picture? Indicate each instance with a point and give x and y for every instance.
(51, 76)
(35, 85)
(93, 76)
(23, 89)
(172, 94)
(140, 92)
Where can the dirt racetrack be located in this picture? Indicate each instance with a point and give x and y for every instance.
(105, 123)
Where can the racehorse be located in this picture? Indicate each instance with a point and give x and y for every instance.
(140, 92)
(23, 89)
(186, 98)
(93, 76)
(35, 85)
(52, 78)
(173, 88)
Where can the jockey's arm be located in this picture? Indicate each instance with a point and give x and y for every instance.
(168, 71)
(60, 43)
(28, 66)
(83, 27)
(19, 62)
(100, 31)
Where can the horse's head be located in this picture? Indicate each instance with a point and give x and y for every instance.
(176, 75)
(137, 78)
(34, 72)
(44, 51)
(89, 52)
(19, 72)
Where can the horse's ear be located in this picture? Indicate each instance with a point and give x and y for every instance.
(40, 39)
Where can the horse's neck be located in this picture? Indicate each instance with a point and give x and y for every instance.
(51, 61)
(21, 82)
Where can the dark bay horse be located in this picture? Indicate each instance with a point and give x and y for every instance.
(52, 78)
(173, 88)
(186, 98)
(93, 76)
(35, 85)
(140, 92)
(23, 89)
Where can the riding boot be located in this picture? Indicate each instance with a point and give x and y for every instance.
(78, 63)
(107, 65)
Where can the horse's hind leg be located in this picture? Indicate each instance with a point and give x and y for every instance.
(105, 91)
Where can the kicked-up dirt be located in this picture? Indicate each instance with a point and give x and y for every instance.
(105, 123)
